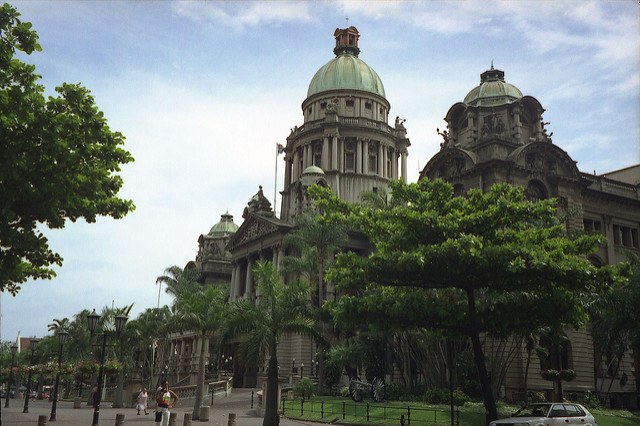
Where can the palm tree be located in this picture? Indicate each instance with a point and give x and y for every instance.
(178, 280)
(280, 309)
(201, 311)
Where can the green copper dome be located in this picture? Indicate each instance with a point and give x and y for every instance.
(224, 227)
(346, 71)
(493, 90)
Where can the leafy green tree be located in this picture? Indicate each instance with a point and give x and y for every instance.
(279, 309)
(59, 159)
(201, 311)
(488, 263)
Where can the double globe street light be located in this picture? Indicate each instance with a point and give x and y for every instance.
(120, 321)
(62, 337)
(14, 350)
(33, 343)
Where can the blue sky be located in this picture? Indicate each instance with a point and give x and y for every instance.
(204, 90)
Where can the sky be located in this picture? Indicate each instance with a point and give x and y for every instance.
(203, 91)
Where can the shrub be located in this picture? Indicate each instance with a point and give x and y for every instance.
(304, 388)
(436, 396)
(591, 400)
(459, 398)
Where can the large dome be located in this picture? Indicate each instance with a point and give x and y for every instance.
(493, 90)
(346, 70)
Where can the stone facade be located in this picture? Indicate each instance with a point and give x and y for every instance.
(498, 135)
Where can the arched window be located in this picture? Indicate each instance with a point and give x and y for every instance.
(536, 191)
(458, 190)
(317, 154)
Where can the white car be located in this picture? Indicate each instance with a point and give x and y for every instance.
(549, 414)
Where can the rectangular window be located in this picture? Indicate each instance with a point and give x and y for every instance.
(592, 225)
(323, 105)
(349, 162)
(367, 105)
(626, 236)
(350, 103)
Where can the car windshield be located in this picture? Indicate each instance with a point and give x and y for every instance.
(536, 410)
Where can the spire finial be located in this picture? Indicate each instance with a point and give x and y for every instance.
(347, 19)
(492, 64)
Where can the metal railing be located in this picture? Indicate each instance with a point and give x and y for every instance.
(374, 413)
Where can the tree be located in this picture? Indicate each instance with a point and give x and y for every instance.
(315, 243)
(489, 263)
(179, 281)
(59, 159)
(201, 311)
(261, 324)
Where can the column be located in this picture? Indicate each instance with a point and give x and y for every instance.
(295, 172)
(325, 153)
(365, 156)
(394, 164)
(380, 160)
(403, 156)
(287, 171)
(359, 155)
(249, 290)
(334, 153)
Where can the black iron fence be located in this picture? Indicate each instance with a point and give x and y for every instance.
(383, 414)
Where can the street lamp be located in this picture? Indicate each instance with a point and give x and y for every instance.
(93, 318)
(33, 343)
(62, 337)
(301, 369)
(14, 349)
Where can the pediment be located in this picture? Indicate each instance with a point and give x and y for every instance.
(254, 228)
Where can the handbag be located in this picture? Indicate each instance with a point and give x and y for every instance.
(158, 416)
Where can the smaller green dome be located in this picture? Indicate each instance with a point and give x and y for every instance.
(224, 227)
(493, 90)
(313, 170)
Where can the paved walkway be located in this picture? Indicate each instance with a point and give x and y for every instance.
(238, 402)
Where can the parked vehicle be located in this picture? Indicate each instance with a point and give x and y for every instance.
(549, 414)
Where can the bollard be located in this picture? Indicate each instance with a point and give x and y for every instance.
(77, 402)
(187, 419)
(204, 413)
(232, 419)
(402, 420)
(42, 420)
(119, 419)
(173, 417)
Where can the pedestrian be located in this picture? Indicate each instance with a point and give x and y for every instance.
(94, 395)
(143, 396)
(166, 399)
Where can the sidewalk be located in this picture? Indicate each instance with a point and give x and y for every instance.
(238, 402)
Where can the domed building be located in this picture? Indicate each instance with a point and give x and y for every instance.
(498, 135)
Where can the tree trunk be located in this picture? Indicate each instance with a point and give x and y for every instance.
(195, 415)
(271, 417)
(526, 370)
(491, 411)
(117, 398)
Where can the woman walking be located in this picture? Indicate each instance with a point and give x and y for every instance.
(166, 399)
(143, 397)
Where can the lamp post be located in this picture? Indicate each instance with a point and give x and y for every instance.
(301, 369)
(33, 343)
(62, 337)
(293, 365)
(93, 318)
(14, 349)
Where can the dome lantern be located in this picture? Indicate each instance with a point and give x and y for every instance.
(493, 90)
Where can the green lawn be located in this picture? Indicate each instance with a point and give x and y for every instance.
(345, 411)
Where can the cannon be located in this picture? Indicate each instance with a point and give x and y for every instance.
(358, 388)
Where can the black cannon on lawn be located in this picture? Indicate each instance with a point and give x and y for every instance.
(358, 388)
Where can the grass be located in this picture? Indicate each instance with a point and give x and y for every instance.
(345, 411)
